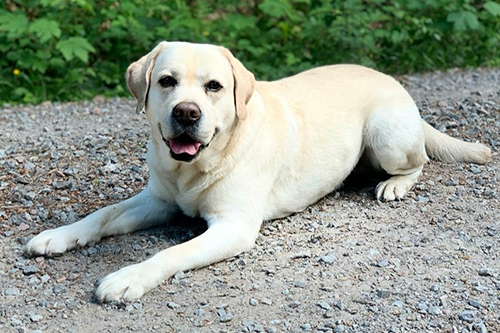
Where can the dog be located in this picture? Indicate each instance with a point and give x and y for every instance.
(236, 151)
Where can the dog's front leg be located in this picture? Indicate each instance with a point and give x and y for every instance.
(138, 212)
(223, 239)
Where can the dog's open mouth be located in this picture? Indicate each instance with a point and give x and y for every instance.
(183, 147)
(184, 144)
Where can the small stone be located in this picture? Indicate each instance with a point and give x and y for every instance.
(480, 327)
(398, 303)
(383, 293)
(422, 199)
(303, 254)
(253, 302)
(422, 307)
(338, 304)
(324, 305)
(35, 317)
(300, 284)
(485, 272)
(60, 289)
(224, 316)
(222, 305)
(31, 269)
(474, 303)
(179, 275)
(339, 328)
(328, 314)
(467, 316)
(475, 170)
(173, 305)
(451, 182)
(434, 287)
(434, 310)
(11, 292)
(383, 263)
(306, 327)
(328, 258)
(266, 301)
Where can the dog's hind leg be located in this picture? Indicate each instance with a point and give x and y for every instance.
(394, 141)
(139, 212)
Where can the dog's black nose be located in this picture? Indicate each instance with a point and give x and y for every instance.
(186, 113)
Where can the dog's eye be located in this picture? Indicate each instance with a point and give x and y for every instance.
(167, 82)
(213, 86)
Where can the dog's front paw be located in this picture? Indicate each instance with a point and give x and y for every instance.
(127, 284)
(55, 241)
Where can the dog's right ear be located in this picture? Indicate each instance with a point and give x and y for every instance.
(138, 76)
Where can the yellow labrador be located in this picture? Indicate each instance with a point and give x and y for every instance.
(236, 151)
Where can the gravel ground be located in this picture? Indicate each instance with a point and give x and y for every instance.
(429, 263)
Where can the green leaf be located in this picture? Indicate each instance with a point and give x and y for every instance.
(492, 7)
(463, 20)
(274, 8)
(75, 47)
(45, 29)
(14, 24)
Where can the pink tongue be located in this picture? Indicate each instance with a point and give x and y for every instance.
(180, 146)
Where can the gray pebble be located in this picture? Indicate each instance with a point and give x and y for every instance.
(398, 303)
(173, 305)
(253, 302)
(422, 199)
(474, 303)
(224, 316)
(35, 317)
(306, 327)
(467, 316)
(338, 304)
(480, 328)
(302, 254)
(60, 289)
(329, 258)
(383, 293)
(31, 269)
(475, 170)
(11, 292)
(266, 301)
(451, 182)
(485, 272)
(324, 305)
(434, 310)
(383, 263)
(300, 284)
(222, 306)
(339, 328)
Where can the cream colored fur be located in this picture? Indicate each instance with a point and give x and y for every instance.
(273, 149)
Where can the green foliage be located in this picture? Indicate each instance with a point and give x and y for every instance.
(75, 49)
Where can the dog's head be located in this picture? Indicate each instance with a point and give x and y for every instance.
(191, 94)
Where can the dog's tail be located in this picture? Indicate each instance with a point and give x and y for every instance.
(448, 149)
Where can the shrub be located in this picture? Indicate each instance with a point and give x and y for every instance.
(75, 49)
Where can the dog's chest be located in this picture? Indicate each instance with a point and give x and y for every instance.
(189, 203)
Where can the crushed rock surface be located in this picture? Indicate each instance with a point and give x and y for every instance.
(429, 263)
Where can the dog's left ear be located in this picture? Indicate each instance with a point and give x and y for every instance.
(244, 83)
(138, 76)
